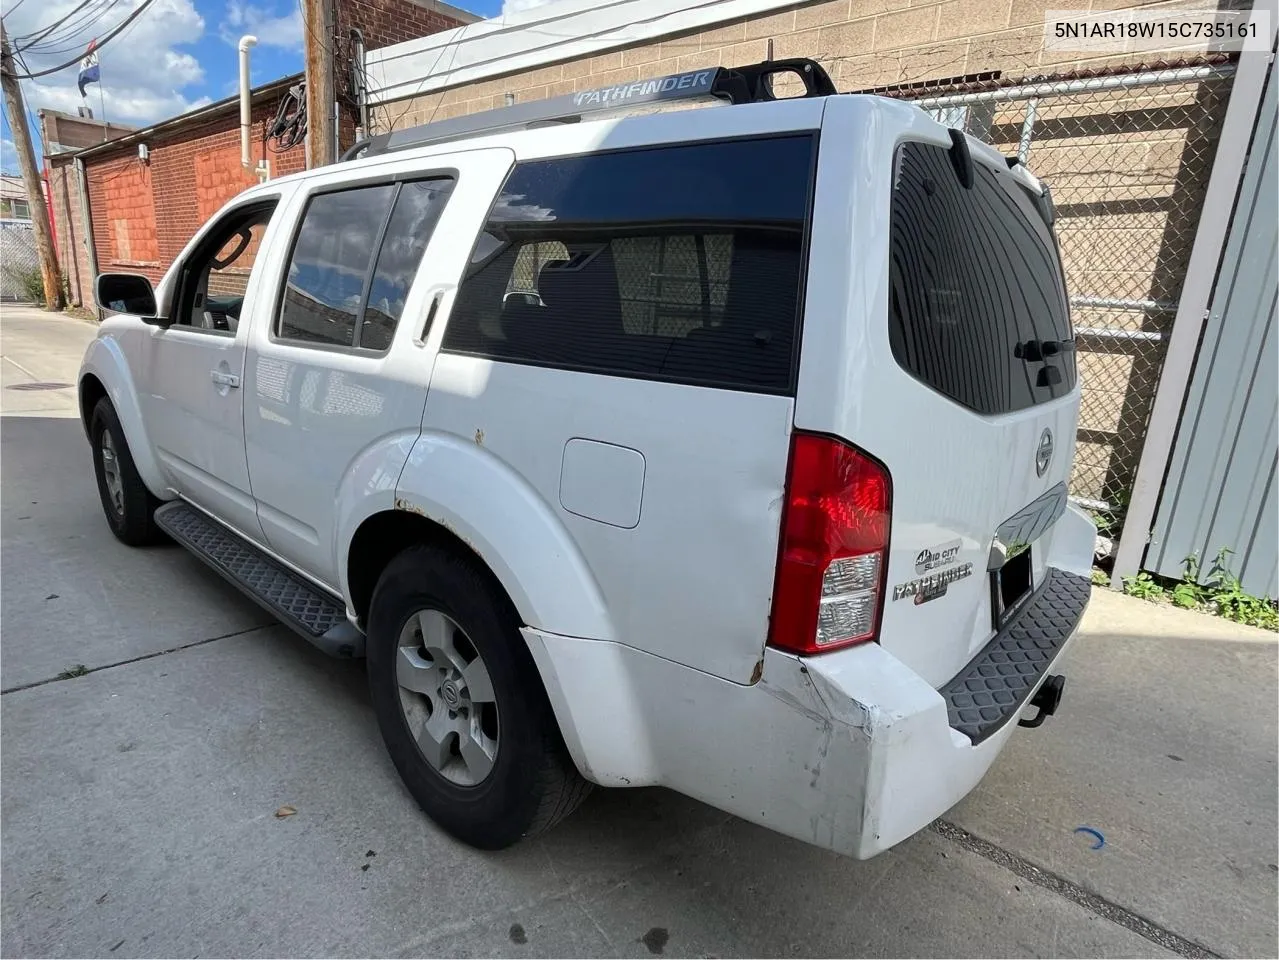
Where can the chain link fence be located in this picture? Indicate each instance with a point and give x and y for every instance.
(18, 261)
(1127, 154)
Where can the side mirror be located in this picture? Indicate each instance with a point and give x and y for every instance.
(126, 293)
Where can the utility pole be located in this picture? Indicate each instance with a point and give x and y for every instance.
(30, 175)
(320, 93)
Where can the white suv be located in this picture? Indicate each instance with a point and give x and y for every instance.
(722, 449)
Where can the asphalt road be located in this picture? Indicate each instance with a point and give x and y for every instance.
(137, 801)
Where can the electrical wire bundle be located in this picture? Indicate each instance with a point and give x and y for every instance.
(288, 129)
(66, 35)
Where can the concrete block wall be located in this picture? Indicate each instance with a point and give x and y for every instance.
(1128, 169)
(862, 43)
(73, 255)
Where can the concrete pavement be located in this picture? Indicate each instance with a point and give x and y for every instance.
(137, 802)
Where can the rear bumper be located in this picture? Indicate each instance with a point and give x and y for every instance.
(997, 683)
(851, 750)
(923, 750)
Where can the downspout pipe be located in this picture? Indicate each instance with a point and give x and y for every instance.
(247, 42)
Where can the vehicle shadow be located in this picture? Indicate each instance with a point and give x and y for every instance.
(73, 594)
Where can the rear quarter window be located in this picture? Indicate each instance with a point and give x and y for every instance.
(977, 301)
(679, 263)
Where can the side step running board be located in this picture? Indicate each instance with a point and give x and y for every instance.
(316, 614)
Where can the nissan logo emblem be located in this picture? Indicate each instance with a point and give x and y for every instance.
(1044, 452)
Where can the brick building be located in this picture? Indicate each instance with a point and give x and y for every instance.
(145, 192)
(64, 133)
(148, 191)
(14, 204)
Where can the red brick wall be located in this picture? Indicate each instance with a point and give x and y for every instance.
(144, 212)
(124, 215)
(219, 176)
(197, 172)
(384, 22)
(192, 170)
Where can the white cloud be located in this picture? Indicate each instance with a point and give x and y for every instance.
(143, 74)
(8, 156)
(271, 29)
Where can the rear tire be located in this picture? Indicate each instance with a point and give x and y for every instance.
(126, 501)
(468, 726)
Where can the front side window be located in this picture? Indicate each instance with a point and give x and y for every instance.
(678, 263)
(216, 275)
(354, 258)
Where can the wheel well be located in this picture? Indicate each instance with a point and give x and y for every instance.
(382, 537)
(91, 391)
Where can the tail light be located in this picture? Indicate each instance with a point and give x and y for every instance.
(833, 558)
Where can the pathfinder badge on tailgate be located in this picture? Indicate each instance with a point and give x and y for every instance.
(932, 586)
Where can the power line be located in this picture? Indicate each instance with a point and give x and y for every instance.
(317, 37)
(456, 44)
(22, 42)
(128, 28)
(116, 30)
(51, 45)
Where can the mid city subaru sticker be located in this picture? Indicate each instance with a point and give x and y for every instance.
(930, 558)
(935, 584)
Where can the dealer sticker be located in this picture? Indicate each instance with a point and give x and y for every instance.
(930, 558)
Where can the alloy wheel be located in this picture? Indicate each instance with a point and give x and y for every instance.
(447, 698)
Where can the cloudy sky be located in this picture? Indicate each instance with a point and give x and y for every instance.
(178, 55)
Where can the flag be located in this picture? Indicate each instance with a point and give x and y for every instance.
(88, 67)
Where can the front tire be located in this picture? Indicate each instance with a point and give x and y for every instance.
(126, 501)
(460, 705)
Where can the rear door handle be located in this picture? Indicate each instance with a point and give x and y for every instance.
(432, 309)
(224, 379)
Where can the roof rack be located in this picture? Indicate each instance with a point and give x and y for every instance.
(748, 84)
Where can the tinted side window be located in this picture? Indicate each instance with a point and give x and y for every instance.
(976, 287)
(673, 263)
(331, 258)
(417, 209)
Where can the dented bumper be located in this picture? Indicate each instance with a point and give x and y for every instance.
(850, 750)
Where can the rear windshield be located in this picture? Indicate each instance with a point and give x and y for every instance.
(977, 303)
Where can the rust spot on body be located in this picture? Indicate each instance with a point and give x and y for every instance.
(758, 671)
(479, 437)
(408, 507)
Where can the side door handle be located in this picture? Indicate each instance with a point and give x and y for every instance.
(224, 379)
